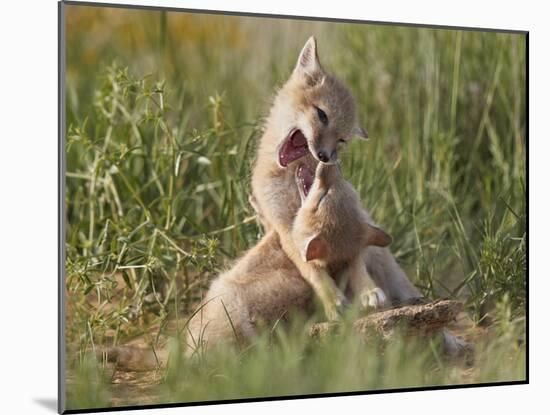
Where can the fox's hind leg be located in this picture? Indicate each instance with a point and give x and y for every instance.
(388, 275)
(362, 286)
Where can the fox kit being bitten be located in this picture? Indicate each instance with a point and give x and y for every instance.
(265, 285)
(332, 230)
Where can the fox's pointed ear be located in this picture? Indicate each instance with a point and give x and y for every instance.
(377, 237)
(314, 248)
(308, 61)
(360, 132)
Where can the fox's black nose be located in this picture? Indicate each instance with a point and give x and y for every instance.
(322, 156)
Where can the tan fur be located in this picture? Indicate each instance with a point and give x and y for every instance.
(275, 195)
(262, 287)
(331, 228)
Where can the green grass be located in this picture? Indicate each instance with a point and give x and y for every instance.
(163, 118)
(287, 362)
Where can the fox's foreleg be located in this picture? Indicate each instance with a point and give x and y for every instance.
(362, 286)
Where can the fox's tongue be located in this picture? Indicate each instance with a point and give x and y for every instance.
(304, 180)
(294, 147)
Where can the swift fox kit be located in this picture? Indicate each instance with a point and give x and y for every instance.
(312, 116)
(331, 227)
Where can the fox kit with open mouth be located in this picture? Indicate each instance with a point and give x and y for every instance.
(332, 231)
(312, 116)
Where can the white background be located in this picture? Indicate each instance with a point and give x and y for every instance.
(28, 203)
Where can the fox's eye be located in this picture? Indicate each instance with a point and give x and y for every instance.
(322, 115)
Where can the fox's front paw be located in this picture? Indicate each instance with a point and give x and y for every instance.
(374, 298)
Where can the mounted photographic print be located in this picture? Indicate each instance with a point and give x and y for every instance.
(259, 207)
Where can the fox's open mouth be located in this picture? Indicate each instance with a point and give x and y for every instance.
(304, 180)
(293, 148)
